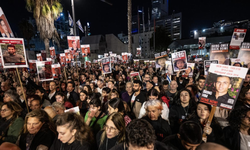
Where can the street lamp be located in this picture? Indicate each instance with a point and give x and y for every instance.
(74, 20)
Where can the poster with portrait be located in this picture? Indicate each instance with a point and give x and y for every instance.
(76, 55)
(223, 85)
(179, 61)
(44, 70)
(106, 54)
(106, 65)
(146, 62)
(87, 64)
(138, 52)
(136, 63)
(77, 64)
(39, 57)
(125, 57)
(244, 53)
(236, 62)
(152, 63)
(160, 62)
(169, 67)
(220, 52)
(237, 38)
(202, 42)
(13, 53)
(189, 71)
(207, 64)
(5, 29)
(56, 71)
(135, 76)
(69, 56)
(113, 58)
(49, 59)
(73, 43)
(32, 66)
(62, 59)
(85, 50)
(52, 52)
(43, 53)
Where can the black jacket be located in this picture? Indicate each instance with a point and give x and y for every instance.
(231, 138)
(73, 98)
(76, 145)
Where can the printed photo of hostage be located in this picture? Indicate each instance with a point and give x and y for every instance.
(135, 76)
(32, 65)
(44, 70)
(13, 55)
(73, 43)
(222, 57)
(207, 65)
(106, 65)
(223, 85)
(56, 70)
(85, 50)
(244, 56)
(169, 68)
(189, 71)
(179, 61)
(160, 62)
(5, 29)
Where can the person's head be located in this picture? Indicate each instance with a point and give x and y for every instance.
(3, 26)
(19, 90)
(222, 84)
(70, 86)
(141, 72)
(190, 135)
(71, 127)
(51, 111)
(188, 70)
(40, 92)
(211, 146)
(74, 44)
(155, 79)
(95, 105)
(153, 95)
(83, 77)
(36, 103)
(106, 68)
(239, 117)
(11, 49)
(203, 110)
(116, 105)
(221, 57)
(10, 110)
(100, 83)
(129, 87)
(147, 77)
(237, 64)
(61, 97)
(193, 89)
(59, 107)
(153, 109)
(140, 135)
(113, 94)
(245, 95)
(111, 84)
(86, 51)
(11, 95)
(185, 96)
(52, 85)
(201, 82)
(137, 85)
(5, 86)
(173, 85)
(150, 85)
(165, 85)
(83, 95)
(34, 121)
(245, 56)
(247, 77)
(161, 62)
(105, 91)
(180, 64)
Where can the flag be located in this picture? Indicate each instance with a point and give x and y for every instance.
(168, 78)
(80, 25)
(70, 20)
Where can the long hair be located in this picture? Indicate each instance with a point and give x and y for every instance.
(236, 116)
(16, 108)
(62, 95)
(75, 121)
(242, 95)
(117, 103)
(119, 123)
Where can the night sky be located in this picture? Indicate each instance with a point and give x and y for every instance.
(105, 19)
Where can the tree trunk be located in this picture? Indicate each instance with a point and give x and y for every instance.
(46, 43)
(130, 26)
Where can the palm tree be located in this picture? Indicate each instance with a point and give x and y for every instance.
(27, 31)
(45, 12)
(130, 26)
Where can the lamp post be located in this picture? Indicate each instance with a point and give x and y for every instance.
(74, 20)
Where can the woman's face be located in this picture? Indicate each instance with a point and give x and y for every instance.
(220, 57)
(85, 88)
(111, 109)
(202, 111)
(7, 98)
(153, 112)
(60, 99)
(111, 130)
(246, 57)
(153, 97)
(91, 85)
(65, 135)
(93, 109)
(188, 70)
(184, 96)
(162, 62)
(104, 93)
(180, 64)
(6, 112)
(83, 96)
(246, 121)
(106, 68)
(113, 95)
(40, 94)
(34, 125)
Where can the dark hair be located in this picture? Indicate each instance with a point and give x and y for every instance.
(140, 133)
(89, 89)
(201, 78)
(73, 84)
(138, 82)
(36, 98)
(191, 132)
(242, 95)
(238, 64)
(15, 107)
(153, 92)
(117, 103)
(11, 45)
(112, 81)
(237, 115)
(106, 89)
(175, 63)
(194, 89)
(62, 95)
(96, 102)
(165, 82)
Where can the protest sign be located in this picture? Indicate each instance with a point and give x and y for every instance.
(138, 52)
(85, 50)
(236, 62)
(62, 59)
(73, 43)
(69, 56)
(135, 76)
(39, 57)
(43, 53)
(237, 38)
(32, 66)
(44, 70)
(52, 52)
(207, 65)
(106, 65)
(189, 71)
(169, 68)
(179, 60)
(56, 71)
(219, 52)
(5, 29)
(202, 42)
(244, 53)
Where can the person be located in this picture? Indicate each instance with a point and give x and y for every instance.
(153, 116)
(180, 64)
(221, 57)
(189, 137)
(59, 108)
(42, 73)
(188, 72)
(160, 63)
(61, 98)
(43, 97)
(100, 85)
(71, 94)
(244, 56)
(11, 123)
(73, 133)
(140, 136)
(38, 132)
(86, 52)
(201, 84)
(244, 97)
(74, 45)
(237, 64)
(12, 56)
(82, 103)
(126, 96)
(211, 146)
(173, 90)
(51, 111)
(235, 136)
(113, 132)
(5, 32)
(222, 84)
(35, 103)
(106, 68)
(52, 87)
(11, 95)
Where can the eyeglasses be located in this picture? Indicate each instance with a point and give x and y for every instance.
(111, 129)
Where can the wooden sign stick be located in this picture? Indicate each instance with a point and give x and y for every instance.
(211, 115)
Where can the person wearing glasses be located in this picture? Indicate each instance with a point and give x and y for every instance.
(113, 132)
(10, 124)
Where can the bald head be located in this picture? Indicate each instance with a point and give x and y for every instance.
(211, 146)
(50, 111)
(9, 146)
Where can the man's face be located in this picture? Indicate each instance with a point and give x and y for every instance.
(147, 78)
(173, 85)
(155, 80)
(149, 86)
(70, 87)
(110, 85)
(52, 86)
(222, 85)
(35, 104)
(4, 86)
(56, 71)
(165, 87)
(74, 44)
(141, 72)
(86, 51)
(4, 27)
(136, 87)
(19, 91)
(11, 50)
(201, 83)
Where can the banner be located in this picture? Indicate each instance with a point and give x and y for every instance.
(85, 50)
(44, 70)
(202, 42)
(179, 60)
(161, 55)
(237, 38)
(236, 62)
(207, 64)
(106, 65)
(13, 53)
(62, 59)
(219, 52)
(32, 66)
(189, 71)
(73, 43)
(223, 85)
(197, 59)
(56, 71)
(52, 52)
(138, 52)
(244, 53)
(5, 29)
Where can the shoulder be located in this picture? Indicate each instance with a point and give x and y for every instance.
(118, 147)
(162, 146)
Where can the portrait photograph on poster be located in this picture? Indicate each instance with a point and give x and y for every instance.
(43, 53)
(202, 42)
(220, 52)
(56, 71)
(237, 38)
(223, 85)
(135, 76)
(85, 50)
(73, 43)
(179, 61)
(189, 71)
(44, 70)
(160, 62)
(236, 62)
(125, 57)
(169, 67)
(106, 65)
(207, 65)
(244, 53)
(13, 53)
(138, 52)
(62, 59)
(136, 62)
(5, 29)
(39, 57)
(77, 63)
(32, 66)
(52, 52)
(152, 63)
(69, 56)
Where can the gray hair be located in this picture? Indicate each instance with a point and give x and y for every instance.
(129, 83)
(155, 103)
(58, 105)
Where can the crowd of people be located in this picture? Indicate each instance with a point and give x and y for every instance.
(118, 112)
